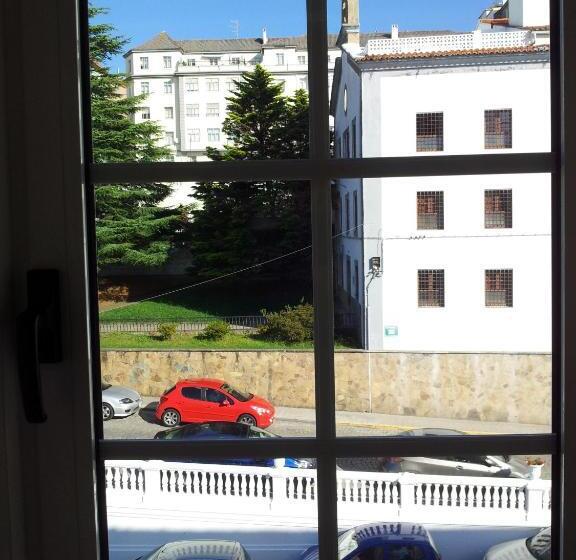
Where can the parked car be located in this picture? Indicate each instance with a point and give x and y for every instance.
(536, 547)
(119, 402)
(204, 400)
(383, 541)
(232, 430)
(470, 465)
(198, 550)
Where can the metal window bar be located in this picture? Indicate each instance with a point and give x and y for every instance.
(430, 210)
(498, 129)
(429, 132)
(430, 288)
(498, 209)
(499, 288)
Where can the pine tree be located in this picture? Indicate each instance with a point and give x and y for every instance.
(241, 224)
(131, 229)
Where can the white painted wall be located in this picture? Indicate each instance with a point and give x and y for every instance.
(529, 13)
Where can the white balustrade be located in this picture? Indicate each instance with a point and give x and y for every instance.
(450, 42)
(272, 493)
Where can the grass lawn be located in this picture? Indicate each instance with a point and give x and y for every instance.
(204, 303)
(116, 341)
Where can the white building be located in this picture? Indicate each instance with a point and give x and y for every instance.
(454, 264)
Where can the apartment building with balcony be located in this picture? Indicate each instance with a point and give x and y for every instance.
(454, 264)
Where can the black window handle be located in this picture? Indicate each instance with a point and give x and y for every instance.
(39, 338)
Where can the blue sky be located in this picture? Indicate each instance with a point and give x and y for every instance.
(139, 20)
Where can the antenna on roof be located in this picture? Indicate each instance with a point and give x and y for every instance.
(235, 26)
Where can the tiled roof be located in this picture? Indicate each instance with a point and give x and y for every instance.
(441, 54)
(163, 41)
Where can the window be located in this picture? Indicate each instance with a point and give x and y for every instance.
(191, 62)
(193, 110)
(356, 281)
(167, 61)
(301, 59)
(499, 288)
(282, 84)
(194, 136)
(230, 85)
(235, 60)
(145, 114)
(191, 84)
(144, 63)
(213, 135)
(279, 59)
(347, 198)
(304, 83)
(498, 129)
(429, 132)
(194, 393)
(355, 213)
(213, 110)
(498, 209)
(430, 288)
(168, 87)
(169, 137)
(348, 276)
(145, 87)
(212, 84)
(213, 60)
(346, 144)
(430, 210)
(168, 112)
(214, 396)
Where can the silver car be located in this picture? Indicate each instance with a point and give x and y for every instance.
(119, 402)
(534, 548)
(201, 550)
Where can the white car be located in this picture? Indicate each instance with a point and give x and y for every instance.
(536, 547)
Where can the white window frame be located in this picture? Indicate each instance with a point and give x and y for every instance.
(213, 134)
(168, 87)
(167, 62)
(192, 84)
(168, 112)
(193, 110)
(280, 59)
(145, 113)
(212, 109)
(194, 136)
(90, 450)
(145, 88)
(144, 63)
(212, 84)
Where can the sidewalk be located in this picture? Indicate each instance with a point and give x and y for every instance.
(390, 422)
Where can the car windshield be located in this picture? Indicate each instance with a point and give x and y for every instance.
(347, 543)
(106, 386)
(238, 395)
(539, 545)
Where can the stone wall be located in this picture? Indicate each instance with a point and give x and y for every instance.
(491, 387)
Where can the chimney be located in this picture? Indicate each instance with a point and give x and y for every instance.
(264, 36)
(350, 30)
(394, 34)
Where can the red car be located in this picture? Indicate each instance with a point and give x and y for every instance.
(207, 400)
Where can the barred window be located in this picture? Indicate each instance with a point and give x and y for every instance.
(429, 132)
(498, 209)
(430, 288)
(498, 129)
(499, 288)
(430, 210)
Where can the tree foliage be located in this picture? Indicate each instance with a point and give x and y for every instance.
(131, 229)
(241, 224)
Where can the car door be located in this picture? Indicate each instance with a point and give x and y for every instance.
(430, 465)
(218, 406)
(192, 404)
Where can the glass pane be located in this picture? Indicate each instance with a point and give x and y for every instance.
(180, 81)
(244, 509)
(443, 287)
(454, 508)
(206, 316)
(441, 78)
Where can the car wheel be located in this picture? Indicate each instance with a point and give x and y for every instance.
(107, 412)
(247, 419)
(170, 418)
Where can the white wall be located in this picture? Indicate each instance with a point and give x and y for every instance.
(464, 250)
(529, 13)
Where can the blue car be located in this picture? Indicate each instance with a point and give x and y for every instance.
(383, 541)
(231, 430)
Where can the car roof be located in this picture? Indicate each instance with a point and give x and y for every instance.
(214, 429)
(204, 382)
(408, 532)
(431, 432)
(201, 549)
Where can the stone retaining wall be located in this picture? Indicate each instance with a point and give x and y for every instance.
(490, 387)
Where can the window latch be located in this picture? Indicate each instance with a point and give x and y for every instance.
(39, 338)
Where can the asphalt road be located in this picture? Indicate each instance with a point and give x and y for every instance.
(143, 425)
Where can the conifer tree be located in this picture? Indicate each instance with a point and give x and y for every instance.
(241, 224)
(131, 229)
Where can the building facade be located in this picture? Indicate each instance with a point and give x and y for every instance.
(446, 264)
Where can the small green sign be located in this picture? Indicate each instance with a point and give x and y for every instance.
(391, 331)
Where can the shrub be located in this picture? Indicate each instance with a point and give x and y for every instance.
(166, 331)
(215, 331)
(291, 324)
